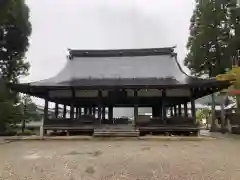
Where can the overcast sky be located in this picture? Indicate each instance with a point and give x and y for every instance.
(102, 24)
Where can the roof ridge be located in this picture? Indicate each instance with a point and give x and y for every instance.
(120, 52)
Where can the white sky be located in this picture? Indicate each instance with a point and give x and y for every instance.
(102, 24)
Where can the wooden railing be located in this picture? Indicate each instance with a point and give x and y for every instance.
(179, 120)
(172, 121)
(84, 120)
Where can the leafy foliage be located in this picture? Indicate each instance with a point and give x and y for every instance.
(9, 113)
(203, 114)
(234, 23)
(234, 76)
(12, 114)
(28, 111)
(209, 37)
(14, 31)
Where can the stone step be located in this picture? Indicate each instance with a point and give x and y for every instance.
(120, 131)
(116, 133)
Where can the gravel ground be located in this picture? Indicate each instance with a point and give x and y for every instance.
(126, 160)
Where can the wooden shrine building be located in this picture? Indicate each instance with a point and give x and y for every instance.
(93, 82)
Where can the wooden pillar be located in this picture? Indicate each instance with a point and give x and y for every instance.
(84, 111)
(45, 111)
(103, 112)
(174, 110)
(56, 110)
(193, 105)
(185, 109)
(164, 113)
(90, 111)
(180, 109)
(72, 105)
(100, 105)
(77, 112)
(160, 110)
(87, 110)
(135, 112)
(135, 106)
(45, 118)
(64, 111)
(99, 115)
(110, 113)
(156, 111)
(94, 111)
(171, 111)
(72, 111)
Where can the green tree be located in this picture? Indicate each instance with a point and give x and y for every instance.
(234, 23)
(28, 111)
(15, 29)
(209, 36)
(234, 42)
(9, 112)
(208, 44)
(202, 114)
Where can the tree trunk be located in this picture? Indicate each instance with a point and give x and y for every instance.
(24, 115)
(222, 116)
(213, 125)
(23, 124)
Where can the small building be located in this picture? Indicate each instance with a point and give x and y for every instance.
(93, 82)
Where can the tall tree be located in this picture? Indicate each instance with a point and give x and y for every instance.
(234, 42)
(234, 22)
(15, 29)
(208, 42)
(208, 52)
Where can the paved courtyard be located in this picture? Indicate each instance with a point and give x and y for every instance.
(126, 160)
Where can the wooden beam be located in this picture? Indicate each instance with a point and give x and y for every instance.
(121, 102)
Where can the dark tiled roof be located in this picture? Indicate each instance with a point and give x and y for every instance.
(132, 82)
(159, 68)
